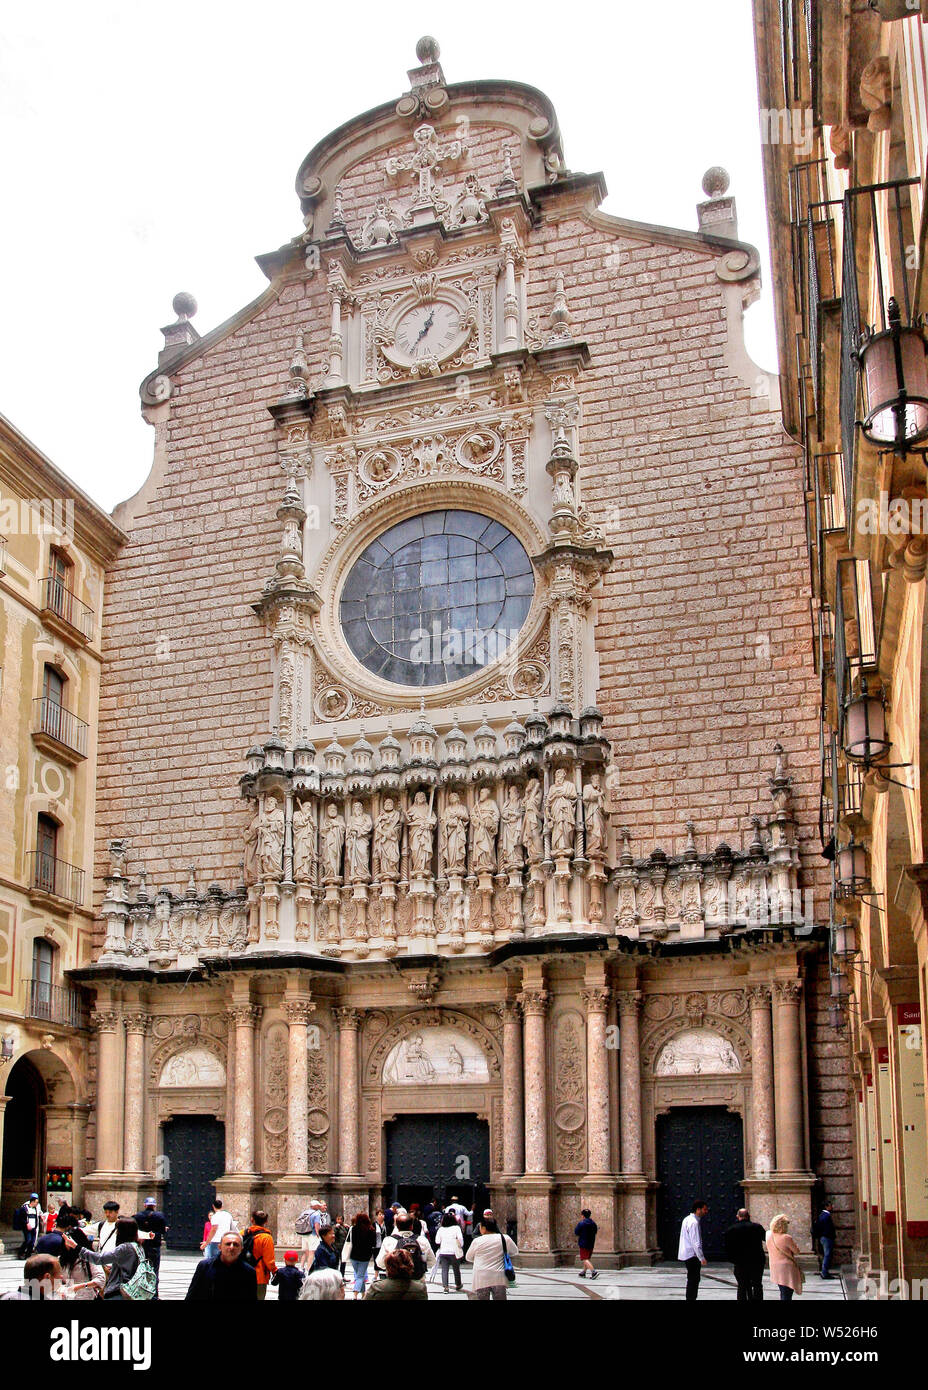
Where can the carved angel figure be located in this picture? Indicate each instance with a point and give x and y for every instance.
(454, 820)
(559, 809)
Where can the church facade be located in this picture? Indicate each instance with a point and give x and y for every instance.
(457, 802)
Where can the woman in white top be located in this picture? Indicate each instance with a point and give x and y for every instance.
(450, 1249)
(486, 1255)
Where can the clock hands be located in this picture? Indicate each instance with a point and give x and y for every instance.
(426, 326)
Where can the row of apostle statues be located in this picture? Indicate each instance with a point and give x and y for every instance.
(527, 827)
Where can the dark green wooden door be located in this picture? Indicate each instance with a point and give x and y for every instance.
(700, 1153)
(442, 1156)
(195, 1149)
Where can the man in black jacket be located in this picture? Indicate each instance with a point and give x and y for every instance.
(744, 1246)
(823, 1229)
(151, 1220)
(227, 1277)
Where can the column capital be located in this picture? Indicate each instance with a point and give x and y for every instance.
(534, 1001)
(759, 996)
(597, 999)
(347, 1017)
(104, 1020)
(629, 1002)
(787, 991)
(511, 1011)
(137, 1021)
(299, 1010)
(244, 1015)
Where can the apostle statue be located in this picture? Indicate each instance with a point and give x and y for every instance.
(594, 818)
(387, 841)
(560, 811)
(271, 839)
(454, 820)
(304, 841)
(510, 837)
(532, 824)
(484, 825)
(421, 821)
(333, 840)
(251, 837)
(358, 843)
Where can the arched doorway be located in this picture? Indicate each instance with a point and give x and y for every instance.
(438, 1156)
(38, 1133)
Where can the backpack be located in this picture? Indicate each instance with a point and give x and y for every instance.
(408, 1242)
(248, 1246)
(305, 1222)
(143, 1283)
(19, 1219)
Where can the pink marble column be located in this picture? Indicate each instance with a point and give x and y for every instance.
(109, 1113)
(513, 1102)
(137, 1025)
(762, 1105)
(244, 1019)
(349, 1100)
(788, 1076)
(629, 1005)
(596, 1001)
(299, 1012)
(534, 1008)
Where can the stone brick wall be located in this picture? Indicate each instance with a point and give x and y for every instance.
(830, 1101)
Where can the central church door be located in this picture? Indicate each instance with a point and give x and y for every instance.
(438, 1156)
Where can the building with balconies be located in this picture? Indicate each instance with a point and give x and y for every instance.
(55, 544)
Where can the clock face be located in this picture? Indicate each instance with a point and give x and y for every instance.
(428, 330)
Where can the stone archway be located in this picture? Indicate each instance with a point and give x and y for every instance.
(38, 1129)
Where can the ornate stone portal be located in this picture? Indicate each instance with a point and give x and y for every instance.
(442, 904)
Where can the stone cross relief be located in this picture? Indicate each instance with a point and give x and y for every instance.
(424, 163)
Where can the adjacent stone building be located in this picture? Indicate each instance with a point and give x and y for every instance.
(55, 546)
(479, 531)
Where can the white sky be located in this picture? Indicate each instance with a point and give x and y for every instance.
(146, 149)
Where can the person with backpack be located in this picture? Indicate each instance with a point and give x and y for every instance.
(491, 1254)
(399, 1283)
(129, 1275)
(307, 1228)
(258, 1250)
(404, 1238)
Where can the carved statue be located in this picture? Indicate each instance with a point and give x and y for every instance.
(593, 817)
(484, 825)
(252, 834)
(532, 824)
(454, 820)
(333, 840)
(559, 809)
(510, 839)
(358, 842)
(387, 841)
(304, 836)
(421, 821)
(271, 838)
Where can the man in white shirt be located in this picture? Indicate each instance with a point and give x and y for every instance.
(106, 1231)
(403, 1228)
(690, 1251)
(222, 1223)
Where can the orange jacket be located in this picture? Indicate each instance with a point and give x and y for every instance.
(263, 1246)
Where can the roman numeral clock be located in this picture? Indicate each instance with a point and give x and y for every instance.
(427, 326)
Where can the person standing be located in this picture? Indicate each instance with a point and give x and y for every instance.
(399, 1283)
(340, 1230)
(359, 1249)
(585, 1231)
(744, 1246)
(784, 1264)
(29, 1220)
(226, 1277)
(220, 1223)
(325, 1255)
(380, 1231)
(823, 1230)
(288, 1280)
(121, 1259)
(106, 1231)
(403, 1238)
(258, 1250)
(486, 1253)
(151, 1222)
(450, 1249)
(690, 1251)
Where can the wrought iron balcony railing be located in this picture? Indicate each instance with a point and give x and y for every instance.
(56, 1004)
(59, 723)
(58, 599)
(821, 285)
(48, 874)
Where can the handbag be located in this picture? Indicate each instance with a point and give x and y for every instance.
(143, 1284)
(507, 1261)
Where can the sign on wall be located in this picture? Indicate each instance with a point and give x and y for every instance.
(912, 1106)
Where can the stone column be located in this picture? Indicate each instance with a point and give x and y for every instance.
(513, 1101)
(137, 1025)
(629, 1005)
(80, 1114)
(243, 1017)
(349, 1099)
(597, 1080)
(788, 1077)
(535, 1007)
(299, 1012)
(762, 1102)
(109, 1113)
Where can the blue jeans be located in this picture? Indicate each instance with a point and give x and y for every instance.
(212, 1250)
(360, 1274)
(828, 1246)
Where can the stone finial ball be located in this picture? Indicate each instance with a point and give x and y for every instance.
(715, 181)
(184, 305)
(427, 50)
